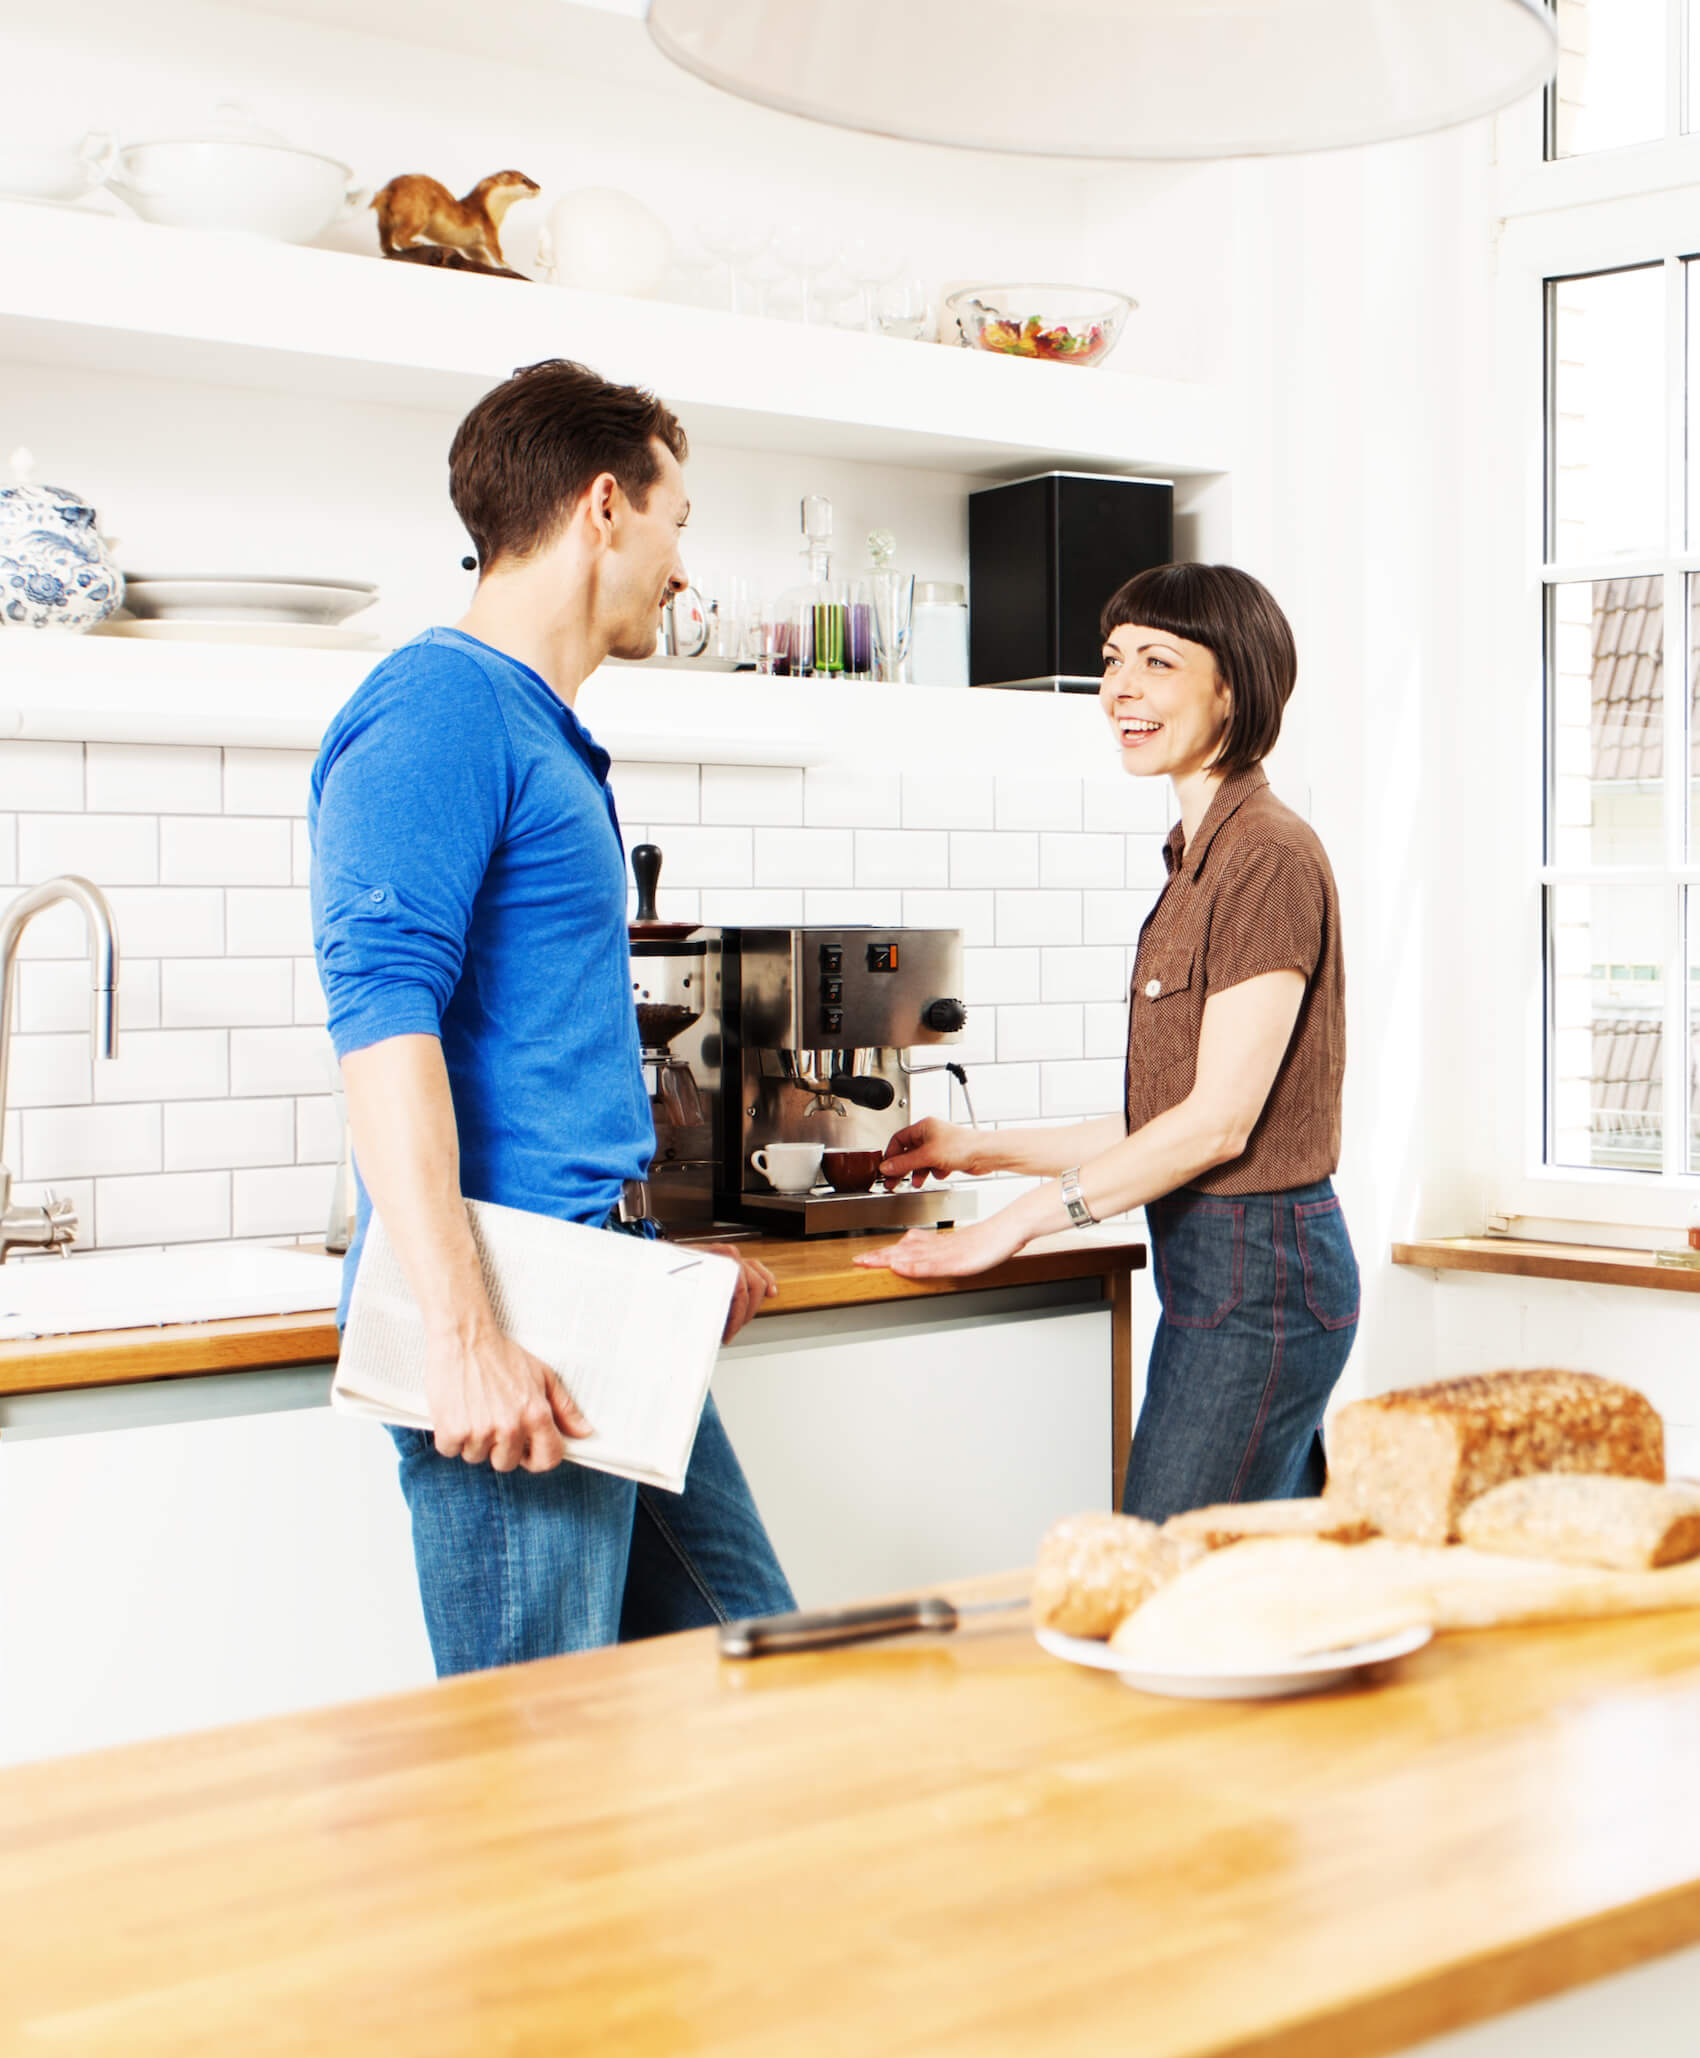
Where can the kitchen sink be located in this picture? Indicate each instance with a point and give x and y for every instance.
(144, 1289)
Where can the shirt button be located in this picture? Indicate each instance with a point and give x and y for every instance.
(377, 893)
(1153, 987)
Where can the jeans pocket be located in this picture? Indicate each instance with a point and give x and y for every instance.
(1330, 1268)
(1200, 1260)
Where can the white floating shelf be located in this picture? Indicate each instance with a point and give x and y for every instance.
(83, 288)
(108, 689)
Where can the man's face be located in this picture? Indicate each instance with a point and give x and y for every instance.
(642, 564)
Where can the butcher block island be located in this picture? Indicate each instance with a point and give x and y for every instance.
(954, 1845)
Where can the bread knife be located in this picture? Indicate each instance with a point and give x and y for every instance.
(828, 1629)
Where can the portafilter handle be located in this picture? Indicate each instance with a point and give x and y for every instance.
(646, 870)
(870, 1092)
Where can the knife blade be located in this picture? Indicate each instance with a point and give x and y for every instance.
(827, 1629)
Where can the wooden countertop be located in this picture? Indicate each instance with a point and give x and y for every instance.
(1588, 1264)
(958, 1847)
(814, 1274)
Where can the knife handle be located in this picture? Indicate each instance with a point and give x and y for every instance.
(828, 1629)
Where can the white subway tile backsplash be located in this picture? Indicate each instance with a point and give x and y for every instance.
(1038, 918)
(1129, 805)
(164, 922)
(318, 1130)
(301, 854)
(203, 993)
(976, 1045)
(805, 857)
(948, 801)
(79, 1143)
(112, 850)
(166, 1064)
(997, 976)
(280, 1061)
(226, 851)
(1038, 804)
(266, 782)
(1004, 1092)
(672, 903)
(1087, 1086)
(282, 1202)
(834, 799)
(309, 994)
(752, 907)
(269, 922)
(947, 908)
(716, 856)
(994, 858)
(1038, 1032)
(154, 779)
(832, 906)
(204, 1135)
(759, 795)
(164, 1207)
(1092, 973)
(1106, 1029)
(1145, 862)
(656, 793)
(1114, 917)
(54, 993)
(49, 1071)
(902, 857)
(47, 777)
(1066, 861)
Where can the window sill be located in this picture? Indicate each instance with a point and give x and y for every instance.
(1582, 1263)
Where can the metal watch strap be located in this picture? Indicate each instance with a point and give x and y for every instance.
(1079, 1214)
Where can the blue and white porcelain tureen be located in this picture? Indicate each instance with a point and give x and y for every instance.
(54, 569)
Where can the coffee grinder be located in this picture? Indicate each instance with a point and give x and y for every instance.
(675, 980)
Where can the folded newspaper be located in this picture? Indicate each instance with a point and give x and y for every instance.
(631, 1327)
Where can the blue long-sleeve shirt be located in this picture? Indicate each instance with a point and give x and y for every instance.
(469, 883)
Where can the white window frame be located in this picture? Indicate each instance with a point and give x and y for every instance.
(1599, 212)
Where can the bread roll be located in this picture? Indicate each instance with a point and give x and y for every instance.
(1630, 1525)
(1095, 1569)
(1412, 1460)
(1232, 1522)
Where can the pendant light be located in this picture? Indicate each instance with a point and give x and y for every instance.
(1119, 78)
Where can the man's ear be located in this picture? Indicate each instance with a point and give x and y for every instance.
(604, 491)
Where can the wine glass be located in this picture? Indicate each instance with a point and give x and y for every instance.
(737, 241)
(872, 263)
(903, 308)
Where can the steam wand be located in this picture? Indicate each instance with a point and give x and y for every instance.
(958, 1072)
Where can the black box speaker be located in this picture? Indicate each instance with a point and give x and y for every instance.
(1044, 554)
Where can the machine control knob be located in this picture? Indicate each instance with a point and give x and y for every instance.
(947, 1016)
(832, 1020)
(831, 957)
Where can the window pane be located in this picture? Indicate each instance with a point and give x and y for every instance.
(1608, 401)
(1605, 1071)
(1691, 916)
(1691, 302)
(1611, 74)
(1606, 722)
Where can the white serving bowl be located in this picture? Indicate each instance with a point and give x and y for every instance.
(44, 171)
(264, 189)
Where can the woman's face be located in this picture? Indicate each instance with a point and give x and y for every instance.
(1165, 701)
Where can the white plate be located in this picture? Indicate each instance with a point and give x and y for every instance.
(217, 598)
(1299, 1676)
(275, 635)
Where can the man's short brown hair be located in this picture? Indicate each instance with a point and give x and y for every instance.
(1236, 618)
(530, 449)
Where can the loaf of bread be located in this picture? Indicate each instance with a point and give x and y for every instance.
(1629, 1525)
(1411, 1461)
(1232, 1522)
(1094, 1570)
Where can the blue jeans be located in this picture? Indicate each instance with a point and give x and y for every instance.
(517, 1565)
(1259, 1297)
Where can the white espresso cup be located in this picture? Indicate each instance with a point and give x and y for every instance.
(789, 1167)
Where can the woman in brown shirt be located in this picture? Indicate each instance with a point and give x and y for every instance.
(1236, 1058)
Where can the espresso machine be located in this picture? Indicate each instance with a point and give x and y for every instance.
(800, 1036)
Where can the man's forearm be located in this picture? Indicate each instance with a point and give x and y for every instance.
(402, 1119)
(1041, 1153)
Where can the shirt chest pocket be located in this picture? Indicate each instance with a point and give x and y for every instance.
(1164, 1008)
(1163, 976)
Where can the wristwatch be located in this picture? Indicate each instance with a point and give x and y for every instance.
(1079, 1214)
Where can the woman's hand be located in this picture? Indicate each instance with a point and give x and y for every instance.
(932, 1146)
(950, 1253)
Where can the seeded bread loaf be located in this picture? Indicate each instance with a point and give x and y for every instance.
(1630, 1525)
(1232, 1522)
(1094, 1570)
(1411, 1461)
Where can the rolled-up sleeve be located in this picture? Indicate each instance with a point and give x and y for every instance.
(410, 798)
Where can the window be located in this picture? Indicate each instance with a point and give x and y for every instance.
(1627, 74)
(1621, 878)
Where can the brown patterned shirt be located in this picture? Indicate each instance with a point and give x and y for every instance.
(1252, 894)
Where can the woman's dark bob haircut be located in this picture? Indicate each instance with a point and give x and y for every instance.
(1236, 618)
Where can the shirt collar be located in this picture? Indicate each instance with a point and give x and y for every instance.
(1231, 796)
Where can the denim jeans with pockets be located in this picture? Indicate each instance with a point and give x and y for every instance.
(1259, 1296)
(517, 1565)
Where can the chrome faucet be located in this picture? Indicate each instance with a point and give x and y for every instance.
(52, 1226)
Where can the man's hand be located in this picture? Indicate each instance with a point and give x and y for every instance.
(930, 1146)
(755, 1284)
(491, 1399)
(949, 1254)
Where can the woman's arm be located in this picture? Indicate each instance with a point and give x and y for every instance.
(945, 1147)
(1242, 1040)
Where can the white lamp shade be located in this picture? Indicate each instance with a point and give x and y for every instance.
(1119, 78)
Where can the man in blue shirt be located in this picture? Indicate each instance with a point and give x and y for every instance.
(469, 916)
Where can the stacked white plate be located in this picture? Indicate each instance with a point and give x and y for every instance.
(238, 608)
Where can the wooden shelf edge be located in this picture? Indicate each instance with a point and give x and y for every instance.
(1582, 1264)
